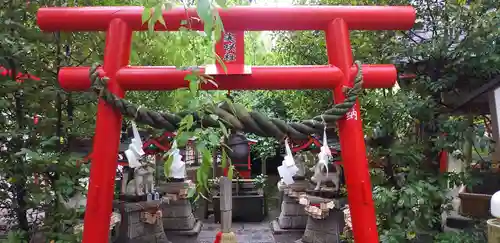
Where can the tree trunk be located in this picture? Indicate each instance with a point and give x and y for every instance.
(20, 209)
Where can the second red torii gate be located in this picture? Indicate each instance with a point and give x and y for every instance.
(336, 21)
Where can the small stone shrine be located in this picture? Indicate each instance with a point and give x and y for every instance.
(178, 217)
(140, 222)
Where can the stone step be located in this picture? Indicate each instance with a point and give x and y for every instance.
(276, 229)
(457, 221)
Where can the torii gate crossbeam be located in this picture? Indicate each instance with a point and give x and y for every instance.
(336, 21)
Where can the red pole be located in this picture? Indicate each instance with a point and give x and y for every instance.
(106, 139)
(352, 140)
(263, 78)
(245, 18)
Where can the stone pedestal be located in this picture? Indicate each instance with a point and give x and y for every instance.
(327, 230)
(292, 217)
(325, 221)
(178, 217)
(135, 228)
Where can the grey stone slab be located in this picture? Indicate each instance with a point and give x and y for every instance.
(206, 240)
(207, 234)
(256, 226)
(191, 232)
(253, 234)
(287, 238)
(277, 230)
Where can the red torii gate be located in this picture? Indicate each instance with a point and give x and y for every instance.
(336, 21)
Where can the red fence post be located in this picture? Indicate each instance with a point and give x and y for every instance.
(106, 138)
(352, 141)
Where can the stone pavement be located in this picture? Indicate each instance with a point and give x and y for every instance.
(245, 232)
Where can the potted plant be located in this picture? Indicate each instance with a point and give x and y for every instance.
(259, 183)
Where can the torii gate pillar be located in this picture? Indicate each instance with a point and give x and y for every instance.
(352, 140)
(107, 134)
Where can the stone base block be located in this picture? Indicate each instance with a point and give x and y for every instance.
(155, 238)
(195, 230)
(291, 207)
(133, 227)
(177, 209)
(276, 228)
(178, 216)
(292, 222)
(292, 214)
(180, 223)
(327, 230)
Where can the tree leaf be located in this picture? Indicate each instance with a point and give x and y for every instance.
(146, 15)
(167, 165)
(204, 9)
(191, 77)
(191, 192)
(223, 128)
(194, 86)
(182, 138)
(398, 218)
(221, 3)
(151, 25)
(230, 172)
(29, 154)
(214, 117)
(158, 14)
(213, 139)
(223, 158)
(50, 142)
(218, 28)
(221, 62)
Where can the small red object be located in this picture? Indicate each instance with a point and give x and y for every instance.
(218, 237)
(35, 119)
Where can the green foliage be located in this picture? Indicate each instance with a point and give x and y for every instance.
(196, 49)
(260, 181)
